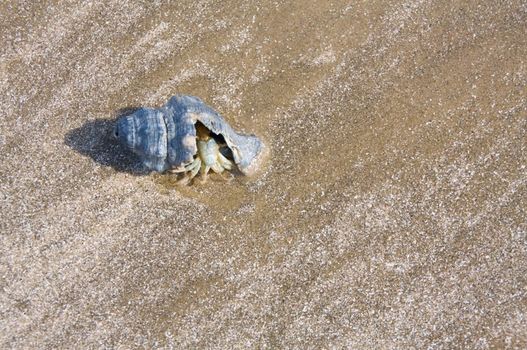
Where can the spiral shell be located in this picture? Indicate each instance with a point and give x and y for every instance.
(165, 138)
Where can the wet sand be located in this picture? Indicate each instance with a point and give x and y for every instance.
(391, 212)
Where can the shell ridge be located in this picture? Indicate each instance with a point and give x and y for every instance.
(152, 138)
(181, 126)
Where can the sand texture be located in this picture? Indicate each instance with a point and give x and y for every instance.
(391, 213)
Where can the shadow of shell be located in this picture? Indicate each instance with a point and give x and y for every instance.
(95, 140)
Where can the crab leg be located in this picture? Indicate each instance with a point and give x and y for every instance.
(204, 172)
(194, 171)
(193, 168)
(186, 168)
(217, 168)
(225, 163)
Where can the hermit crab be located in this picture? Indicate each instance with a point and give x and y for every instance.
(186, 136)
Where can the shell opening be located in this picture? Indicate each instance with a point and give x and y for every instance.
(225, 150)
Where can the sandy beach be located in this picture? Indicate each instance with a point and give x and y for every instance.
(391, 212)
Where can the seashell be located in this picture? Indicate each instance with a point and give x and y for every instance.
(165, 138)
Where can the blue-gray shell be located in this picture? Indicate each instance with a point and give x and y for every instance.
(165, 138)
